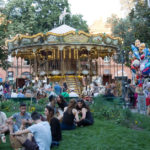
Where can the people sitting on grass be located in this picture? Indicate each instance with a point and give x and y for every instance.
(55, 126)
(70, 116)
(52, 103)
(86, 117)
(41, 133)
(61, 102)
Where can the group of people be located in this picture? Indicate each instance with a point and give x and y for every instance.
(41, 132)
(37, 90)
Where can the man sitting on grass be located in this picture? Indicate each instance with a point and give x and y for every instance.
(41, 132)
(22, 120)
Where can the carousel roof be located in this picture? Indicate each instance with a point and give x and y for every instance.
(63, 37)
(62, 29)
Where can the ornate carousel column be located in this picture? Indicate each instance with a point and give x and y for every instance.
(16, 63)
(35, 62)
(47, 64)
(30, 66)
(62, 57)
(79, 61)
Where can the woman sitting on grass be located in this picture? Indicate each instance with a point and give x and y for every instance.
(55, 126)
(69, 117)
(61, 102)
(86, 116)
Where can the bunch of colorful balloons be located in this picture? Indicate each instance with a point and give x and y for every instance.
(140, 61)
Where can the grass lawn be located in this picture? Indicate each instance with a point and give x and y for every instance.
(103, 135)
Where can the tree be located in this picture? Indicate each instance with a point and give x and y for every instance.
(77, 22)
(34, 16)
(135, 26)
(3, 50)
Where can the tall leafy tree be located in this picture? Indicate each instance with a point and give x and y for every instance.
(34, 16)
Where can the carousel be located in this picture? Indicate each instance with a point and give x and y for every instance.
(63, 53)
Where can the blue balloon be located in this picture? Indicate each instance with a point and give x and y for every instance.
(135, 51)
(147, 65)
(146, 52)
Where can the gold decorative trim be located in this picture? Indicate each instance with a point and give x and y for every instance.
(30, 37)
(56, 34)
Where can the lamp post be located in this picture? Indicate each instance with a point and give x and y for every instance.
(123, 84)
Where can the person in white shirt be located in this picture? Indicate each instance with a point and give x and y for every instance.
(41, 131)
(1, 90)
(14, 94)
(3, 119)
(72, 93)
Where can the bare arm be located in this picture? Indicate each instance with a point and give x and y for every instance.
(21, 132)
(84, 111)
(76, 114)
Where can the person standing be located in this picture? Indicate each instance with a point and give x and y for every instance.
(1, 90)
(57, 88)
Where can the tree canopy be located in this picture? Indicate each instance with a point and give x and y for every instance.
(136, 25)
(34, 16)
(31, 17)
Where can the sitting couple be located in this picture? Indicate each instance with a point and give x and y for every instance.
(77, 113)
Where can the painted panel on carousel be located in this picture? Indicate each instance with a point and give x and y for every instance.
(10, 46)
(26, 41)
(97, 39)
(76, 38)
(51, 39)
(108, 40)
(38, 40)
(115, 42)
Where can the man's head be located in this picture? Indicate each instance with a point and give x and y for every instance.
(35, 116)
(22, 108)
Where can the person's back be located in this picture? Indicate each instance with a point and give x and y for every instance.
(42, 134)
(68, 118)
(57, 89)
(20, 95)
(55, 129)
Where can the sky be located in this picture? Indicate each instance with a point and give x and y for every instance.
(92, 10)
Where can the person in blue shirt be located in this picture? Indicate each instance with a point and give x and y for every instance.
(57, 88)
(20, 94)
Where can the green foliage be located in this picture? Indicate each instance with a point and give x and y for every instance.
(136, 25)
(3, 50)
(30, 16)
(112, 110)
